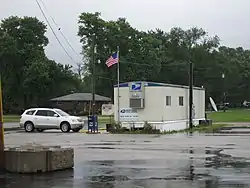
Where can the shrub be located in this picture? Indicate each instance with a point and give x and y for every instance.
(147, 129)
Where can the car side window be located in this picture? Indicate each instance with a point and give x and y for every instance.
(41, 113)
(30, 112)
(51, 113)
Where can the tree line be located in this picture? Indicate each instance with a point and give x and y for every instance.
(161, 56)
(30, 78)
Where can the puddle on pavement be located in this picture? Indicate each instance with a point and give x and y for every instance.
(153, 163)
(102, 144)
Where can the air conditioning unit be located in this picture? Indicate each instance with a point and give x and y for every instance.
(136, 103)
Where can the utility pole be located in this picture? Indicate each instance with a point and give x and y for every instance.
(93, 78)
(190, 94)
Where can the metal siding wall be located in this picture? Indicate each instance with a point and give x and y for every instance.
(174, 112)
(155, 103)
(199, 103)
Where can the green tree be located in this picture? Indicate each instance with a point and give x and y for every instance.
(29, 77)
(153, 55)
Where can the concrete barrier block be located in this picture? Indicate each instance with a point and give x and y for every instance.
(32, 159)
(61, 159)
(25, 161)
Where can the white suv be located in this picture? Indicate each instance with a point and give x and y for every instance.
(49, 118)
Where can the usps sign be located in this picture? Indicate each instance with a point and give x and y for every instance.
(128, 115)
(136, 86)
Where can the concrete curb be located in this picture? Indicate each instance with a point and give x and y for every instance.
(235, 127)
(12, 129)
(18, 129)
(234, 132)
(100, 131)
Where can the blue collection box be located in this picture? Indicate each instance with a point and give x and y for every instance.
(92, 123)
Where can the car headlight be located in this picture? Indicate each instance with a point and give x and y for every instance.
(74, 120)
(80, 120)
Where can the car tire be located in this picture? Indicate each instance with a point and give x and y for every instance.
(65, 127)
(40, 130)
(76, 130)
(29, 126)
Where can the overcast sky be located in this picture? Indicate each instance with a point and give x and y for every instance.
(229, 19)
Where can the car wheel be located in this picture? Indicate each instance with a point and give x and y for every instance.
(29, 126)
(65, 127)
(40, 130)
(76, 130)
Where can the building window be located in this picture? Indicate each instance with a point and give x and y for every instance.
(168, 100)
(181, 101)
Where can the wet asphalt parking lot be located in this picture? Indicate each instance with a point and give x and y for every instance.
(117, 161)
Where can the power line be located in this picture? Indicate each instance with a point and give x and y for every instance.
(54, 32)
(59, 29)
(106, 78)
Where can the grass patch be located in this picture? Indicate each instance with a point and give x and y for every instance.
(239, 115)
(201, 129)
(11, 118)
(105, 120)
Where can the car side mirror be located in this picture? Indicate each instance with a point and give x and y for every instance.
(55, 115)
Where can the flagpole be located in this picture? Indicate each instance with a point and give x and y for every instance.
(118, 84)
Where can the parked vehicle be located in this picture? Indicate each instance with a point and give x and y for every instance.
(41, 119)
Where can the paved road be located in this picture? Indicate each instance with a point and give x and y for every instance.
(15, 125)
(11, 125)
(122, 161)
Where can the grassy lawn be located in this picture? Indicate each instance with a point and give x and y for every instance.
(201, 129)
(16, 118)
(232, 115)
(105, 119)
(11, 118)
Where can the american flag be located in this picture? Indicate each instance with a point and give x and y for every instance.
(112, 60)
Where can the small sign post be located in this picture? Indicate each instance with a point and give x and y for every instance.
(108, 110)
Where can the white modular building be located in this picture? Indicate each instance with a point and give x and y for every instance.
(165, 106)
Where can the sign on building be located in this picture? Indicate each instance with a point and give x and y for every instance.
(136, 86)
(107, 109)
(136, 92)
(128, 115)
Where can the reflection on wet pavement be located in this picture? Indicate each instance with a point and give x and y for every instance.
(117, 161)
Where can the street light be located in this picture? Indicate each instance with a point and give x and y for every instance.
(224, 93)
(223, 75)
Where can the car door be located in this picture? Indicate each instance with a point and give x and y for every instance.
(53, 119)
(41, 119)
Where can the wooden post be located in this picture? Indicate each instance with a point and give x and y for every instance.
(2, 161)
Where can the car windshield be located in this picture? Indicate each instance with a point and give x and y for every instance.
(62, 113)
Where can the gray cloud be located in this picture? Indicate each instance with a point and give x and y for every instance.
(229, 19)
